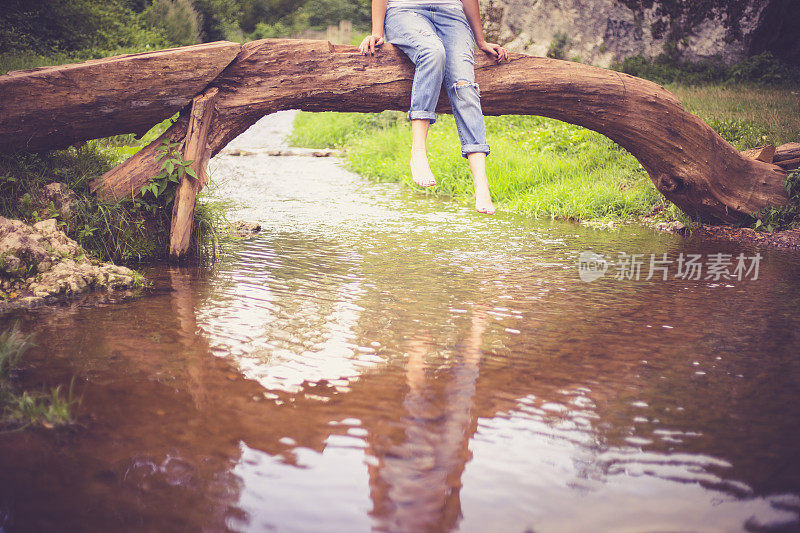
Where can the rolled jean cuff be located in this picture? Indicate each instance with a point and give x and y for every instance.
(422, 115)
(472, 148)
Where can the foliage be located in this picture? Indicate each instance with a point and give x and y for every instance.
(311, 14)
(114, 231)
(47, 409)
(559, 45)
(763, 69)
(22, 410)
(219, 19)
(778, 218)
(173, 169)
(13, 345)
(47, 26)
(178, 19)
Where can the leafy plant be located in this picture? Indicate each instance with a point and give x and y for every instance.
(13, 345)
(778, 218)
(173, 169)
(47, 409)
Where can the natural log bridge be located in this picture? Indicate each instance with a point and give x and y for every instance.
(231, 86)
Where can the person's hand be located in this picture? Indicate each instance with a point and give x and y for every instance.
(367, 46)
(495, 50)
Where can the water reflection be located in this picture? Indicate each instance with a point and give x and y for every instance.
(394, 364)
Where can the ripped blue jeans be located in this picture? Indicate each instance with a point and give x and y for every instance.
(438, 39)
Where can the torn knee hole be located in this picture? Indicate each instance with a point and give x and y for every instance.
(460, 84)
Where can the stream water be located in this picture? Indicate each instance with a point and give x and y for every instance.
(376, 359)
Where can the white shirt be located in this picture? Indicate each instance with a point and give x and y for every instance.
(420, 3)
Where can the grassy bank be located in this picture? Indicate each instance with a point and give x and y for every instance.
(545, 168)
(127, 231)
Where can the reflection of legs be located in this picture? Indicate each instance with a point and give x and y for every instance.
(415, 367)
(423, 471)
(413, 33)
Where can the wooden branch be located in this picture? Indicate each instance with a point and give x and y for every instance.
(196, 149)
(762, 153)
(787, 156)
(787, 151)
(789, 164)
(687, 161)
(55, 107)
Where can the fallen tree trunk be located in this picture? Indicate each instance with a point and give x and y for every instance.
(688, 162)
(54, 107)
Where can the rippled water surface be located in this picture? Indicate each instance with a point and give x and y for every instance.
(379, 360)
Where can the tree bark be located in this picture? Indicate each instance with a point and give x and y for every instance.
(787, 156)
(195, 149)
(55, 107)
(687, 161)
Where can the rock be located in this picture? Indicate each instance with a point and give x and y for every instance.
(63, 198)
(603, 31)
(21, 248)
(244, 230)
(40, 263)
(671, 227)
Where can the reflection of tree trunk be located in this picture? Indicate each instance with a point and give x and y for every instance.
(184, 305)
(417, 482)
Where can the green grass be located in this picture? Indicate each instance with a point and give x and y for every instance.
(538, 167)
(746, 115)
(48, 409)
(545, 168)
(13, 345)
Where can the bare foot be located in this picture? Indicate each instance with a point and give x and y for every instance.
(483, 200)
(485, 207)
(420, 169)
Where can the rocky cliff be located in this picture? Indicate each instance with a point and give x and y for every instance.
(603, 31)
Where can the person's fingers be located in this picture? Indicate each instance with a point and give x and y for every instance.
(372, 46)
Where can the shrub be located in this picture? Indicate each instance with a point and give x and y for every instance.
(178, 19)
(764, 69)
(47, 26)
(558, 47)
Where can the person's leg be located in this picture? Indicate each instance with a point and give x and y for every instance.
(412, 32)
(483, 198)
(459, 81)
(421, 172)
